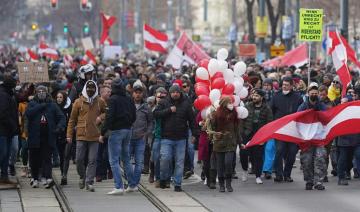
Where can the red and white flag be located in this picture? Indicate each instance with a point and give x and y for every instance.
(185, 52)
(338, 52)
(316, 128)
(296, 57)
(88, 58)
(155, 40)
(45, 50)
(107, 23)
(68, 60)
(31, 56)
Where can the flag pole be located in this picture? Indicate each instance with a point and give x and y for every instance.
(309, 46)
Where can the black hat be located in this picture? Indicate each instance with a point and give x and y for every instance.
(259, 92)
(174, 88)
(117, 84)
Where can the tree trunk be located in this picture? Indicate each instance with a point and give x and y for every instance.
(274, 18)
(250, 20)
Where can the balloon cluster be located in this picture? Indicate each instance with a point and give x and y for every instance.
(215, 80)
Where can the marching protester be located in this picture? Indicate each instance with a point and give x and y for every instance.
(313, 158)
(120, 116)
(45, 123)
(177, 117)
(85, 111)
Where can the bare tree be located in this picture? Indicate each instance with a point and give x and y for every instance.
(274, 18)
(250, 20)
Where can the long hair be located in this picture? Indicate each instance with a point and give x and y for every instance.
(224, 115)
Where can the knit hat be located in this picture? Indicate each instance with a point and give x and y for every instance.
(174, 88)
(259, 92)
(41, 88)
(161, 90)
(161, 77)
(268, 81)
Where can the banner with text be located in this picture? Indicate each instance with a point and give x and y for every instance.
(310, 24)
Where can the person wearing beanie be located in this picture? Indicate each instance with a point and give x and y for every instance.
(268, 89)
(259, 115)
(45, 123)
(119, 118)
(86, 110)
(224, 128)
(177, 116)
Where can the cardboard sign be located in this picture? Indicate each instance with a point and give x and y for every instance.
(87, 43)
(277, 50)
(112, 52)
(310, 24)
(247, 50)
(33, 72)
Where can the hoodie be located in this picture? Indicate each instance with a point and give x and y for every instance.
(83, 116)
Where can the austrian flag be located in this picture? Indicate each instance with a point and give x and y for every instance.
(88, 58)
(155, 40)
(311, 127)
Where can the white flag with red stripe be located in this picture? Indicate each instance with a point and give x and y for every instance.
(88, 58)
(45, 50)
(310, 127)
(185, 52)
(31, 56)
(155, 40)
(338, 52)
(68, 60)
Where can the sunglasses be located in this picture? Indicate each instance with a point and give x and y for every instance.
(336, 82)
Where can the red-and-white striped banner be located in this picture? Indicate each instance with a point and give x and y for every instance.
(45, 50)
(88, 58)
(155, 40)
(32, 56)
(310, 127)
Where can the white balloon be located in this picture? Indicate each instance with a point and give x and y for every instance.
(238, 86)
(243, 93)
(209, 110)
(223, 65)
(217, 104)
(242, 104)
(222, 54)
(213, 66)
(228, 76)
(203, 113)
(214, 95)
(202, 73)
(242, 112)
(236, 100)
(239, 68)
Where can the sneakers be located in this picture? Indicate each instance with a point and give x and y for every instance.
(188, 174)
(129, 189)
(244, 176)
(178, 189)
(259, 181)
(116, 191)
(90, 188)
(34, 183)
(81, 183)
(49, 183)
(309, 186)
(319, 186)
(63, 181)
(288, 179)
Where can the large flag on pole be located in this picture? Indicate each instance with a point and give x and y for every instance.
(45, 50)
(339, 55)
(184, 52)
(296, 57)
(107, 23)
(155, 40)
(311, 127)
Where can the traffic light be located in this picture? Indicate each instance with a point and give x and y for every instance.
(54, 4)
(34, 26)
(66, 28)
(86, 29)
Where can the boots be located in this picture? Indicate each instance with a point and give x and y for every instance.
(152, 172)
(221, 184)
(212, 179)
(228, 183)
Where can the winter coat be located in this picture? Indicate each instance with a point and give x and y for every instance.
(249, 126)
(319, 106)
(83, 116)
(174, 126)
(143, 124)
(121, 113)
(203, 153)
(9, 120)
(282, 105)
(55, 121)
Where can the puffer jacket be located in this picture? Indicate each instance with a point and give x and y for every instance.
(143, 124)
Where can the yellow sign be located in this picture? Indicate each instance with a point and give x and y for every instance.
(261, 26)
(310, 24)
(277, 50)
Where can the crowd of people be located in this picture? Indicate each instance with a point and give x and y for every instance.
(123, 118)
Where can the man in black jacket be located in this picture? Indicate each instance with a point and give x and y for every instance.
(177, 117)
(8, 123)
(285, 102)
(119, 119)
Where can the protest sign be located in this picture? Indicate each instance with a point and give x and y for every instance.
(87, 43)
(33, 72)
(112, 52)
(310, 24)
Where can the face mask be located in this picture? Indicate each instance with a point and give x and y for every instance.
(313, 98)
(41, 96)
(285, 92)
(230, 106)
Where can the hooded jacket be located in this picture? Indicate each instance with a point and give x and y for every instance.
(83, 116)
(8, 113)
(121, 112)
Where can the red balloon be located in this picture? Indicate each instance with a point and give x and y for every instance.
(202, 102)
(202, 90)
(218, 83)
(228, 89)
(217, 75)
(197, 79)
(201, 84)
(204, 63)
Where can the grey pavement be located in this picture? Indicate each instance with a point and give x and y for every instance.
(10, 201)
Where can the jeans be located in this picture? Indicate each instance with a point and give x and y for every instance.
(269, 156)
(137, 149)
(5, 147)
(346, 154)
(224, 163)
(190, 154)
(86, 149)
(118, 146)
(155, 157)
(14, 150)
(285, 153)
(169, 150)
